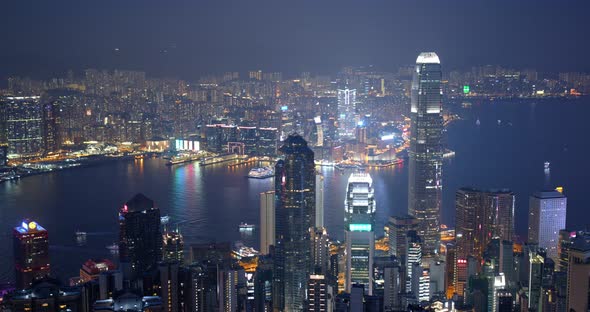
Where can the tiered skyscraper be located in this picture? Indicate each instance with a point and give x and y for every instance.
(359, 223)
(295, 216)
(425, 154)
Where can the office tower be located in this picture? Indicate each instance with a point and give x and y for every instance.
(501, 205)
(471, 233)
(267, 141)
(267, 221)
(437, 277)
(497, 283)
(140, 239)
(359, 223)
(173, 245)
(227, 289)
(547, 212)
(319, 131)
(255, 74)
(92, 268)
(399, 226)
(357, 293)
(319, 200)
(320, 251)
(320, 294)
(169, 285)
(536, 262)
(51, 127)
(248, 136)
(392, 287)
(578, 276)
(202, 289)
(421, 283)
(346, 113)
(263, 284)
(506, 261)
(110, 283)
(504, 299)
(425, 153)
(295, 215)
(31, 253)
(414, 256)
(565, 241)
(22, 119)
(44, 295)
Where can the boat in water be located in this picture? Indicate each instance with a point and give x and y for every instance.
(164, 220)
(261, 172)
(245, 227)
(547, 166)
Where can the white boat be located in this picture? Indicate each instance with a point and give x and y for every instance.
(245, 227)
(164, 220)
(261, 172)
(547, 164)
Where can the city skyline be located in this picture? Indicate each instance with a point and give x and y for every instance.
(325, 157)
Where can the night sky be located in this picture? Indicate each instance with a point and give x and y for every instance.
(186, 39)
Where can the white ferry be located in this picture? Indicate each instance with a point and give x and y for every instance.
(261, 172)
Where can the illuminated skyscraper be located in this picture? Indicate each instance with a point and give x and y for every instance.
(295, 216)
(359, 223)
(267, 221)
(140, 238)
(346, 113)
(31, 253)
(173, 246)
(547, 212)
(425, 153)
(22, 119)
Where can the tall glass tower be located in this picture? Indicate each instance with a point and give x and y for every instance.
(295, 216)
(359, 222)
(425, 154)
(346, 112)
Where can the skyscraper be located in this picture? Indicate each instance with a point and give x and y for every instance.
(267, 221)
(425, 153)
(31, 253)
(320, 294)
(359, 223)
(547, 212)
(22, 120)
(295, 216)
(173, 247)
(346, 113)
(140, 238)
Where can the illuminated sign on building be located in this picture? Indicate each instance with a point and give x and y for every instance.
(465, 89)
(360, 227)
(187, 145)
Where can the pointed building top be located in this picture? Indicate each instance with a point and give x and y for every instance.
(139, 202)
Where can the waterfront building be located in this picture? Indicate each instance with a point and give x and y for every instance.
(426, 152)
(295, 216)
(31, 253)
(21, 119)
(346, 113)
(359, 223)
(547, 212)
(267, 141)
(140, 238)
(173, 246)
(267, 221)
(92, 268)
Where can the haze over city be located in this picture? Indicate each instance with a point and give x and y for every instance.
(302, 156)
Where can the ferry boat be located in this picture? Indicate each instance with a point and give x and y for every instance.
(164, 220)
(547, 164)
(261, 172)
(175, 160)
(245, 227)
(220, 159)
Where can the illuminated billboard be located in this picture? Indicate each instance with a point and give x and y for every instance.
(187, 145)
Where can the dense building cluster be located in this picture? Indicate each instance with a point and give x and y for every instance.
(359, 119)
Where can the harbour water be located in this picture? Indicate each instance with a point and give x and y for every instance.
(506, 149)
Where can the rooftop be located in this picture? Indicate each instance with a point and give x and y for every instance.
(427, 58)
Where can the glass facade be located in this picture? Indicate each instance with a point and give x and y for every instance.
(547, 212)
(426, 153)
(295, 215)
(346, 112)
(22, 124)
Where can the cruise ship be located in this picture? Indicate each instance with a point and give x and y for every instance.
(261, 172)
